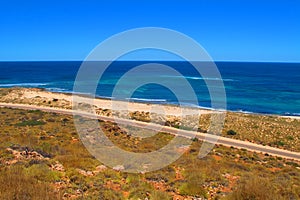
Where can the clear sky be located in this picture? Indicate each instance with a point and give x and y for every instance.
(237, 30)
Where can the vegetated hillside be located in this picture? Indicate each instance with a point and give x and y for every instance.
(42, 158)
(268, 130)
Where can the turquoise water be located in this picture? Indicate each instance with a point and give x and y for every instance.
(272, 88)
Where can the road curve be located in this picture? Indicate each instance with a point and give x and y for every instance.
(189, 134)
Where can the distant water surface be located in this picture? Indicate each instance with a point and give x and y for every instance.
(272, 88)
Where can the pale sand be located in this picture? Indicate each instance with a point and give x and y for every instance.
(292, 117)
(117, 105)
(32, 93)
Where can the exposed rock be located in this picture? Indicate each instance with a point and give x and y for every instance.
(58, 167)
(100, 168)
(26, 154)
(85, 173)
(119, 168)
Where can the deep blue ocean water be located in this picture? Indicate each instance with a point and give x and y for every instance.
(272, 88)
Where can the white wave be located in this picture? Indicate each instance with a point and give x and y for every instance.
(200, 78)
(191, 105)
(23, 84)
(54, 89)
(243, 111)
(62, 90)
(105, 97)
(291, 114)
(148, 100)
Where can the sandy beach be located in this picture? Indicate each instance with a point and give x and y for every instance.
(36, 96)
(64, 100)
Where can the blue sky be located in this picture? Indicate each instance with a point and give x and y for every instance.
(237, 30)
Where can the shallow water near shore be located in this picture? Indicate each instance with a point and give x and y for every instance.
(267, 88)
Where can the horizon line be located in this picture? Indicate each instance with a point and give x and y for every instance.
(237, 61)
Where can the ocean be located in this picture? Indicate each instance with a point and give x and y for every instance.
(267, 88)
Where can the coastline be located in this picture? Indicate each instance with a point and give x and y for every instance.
(172, 109)
(176, 105)
(249, 91)
(272, 130)
(41, 94)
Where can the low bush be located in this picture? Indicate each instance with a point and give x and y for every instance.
(253, 187)
(231, 132)
(43, 173)
(159, 195)
(31, 123)
(193, 186)
(16, 184)
(106, 194)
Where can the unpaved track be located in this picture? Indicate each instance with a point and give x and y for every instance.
(190, 134)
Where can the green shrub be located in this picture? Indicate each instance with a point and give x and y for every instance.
(43, 173)
(290, 137)
(31, 123)
(159, 195)
(231, 132)
(254, 187)
(106, 194)
(138, 188)
(279, 143)
(16, 184)
(194, 183)
(35, 111)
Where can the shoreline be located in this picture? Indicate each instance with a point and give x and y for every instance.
(38, 94)
(167, 104)
(273, 130)
(203, 110)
